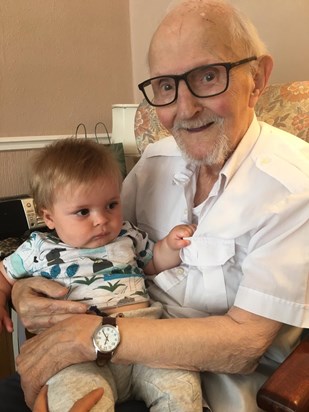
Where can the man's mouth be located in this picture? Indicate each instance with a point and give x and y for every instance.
(199, 129)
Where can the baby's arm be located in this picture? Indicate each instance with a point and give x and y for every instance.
(166, 250)
(5, 294)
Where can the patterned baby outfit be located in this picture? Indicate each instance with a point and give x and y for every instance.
(108, 276)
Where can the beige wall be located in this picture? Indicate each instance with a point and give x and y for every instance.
(283, 25)
(14, 172)
(145, 16)
(62, 62)
(65, 62)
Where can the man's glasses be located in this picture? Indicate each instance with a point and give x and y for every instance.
(203, 81)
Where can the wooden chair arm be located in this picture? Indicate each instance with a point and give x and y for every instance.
(287, 390)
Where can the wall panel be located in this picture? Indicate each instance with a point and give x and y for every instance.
(62, 63)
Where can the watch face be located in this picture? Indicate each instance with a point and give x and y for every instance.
(106, 338)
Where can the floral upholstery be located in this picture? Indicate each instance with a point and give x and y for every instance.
(147, 127)
(285, 106)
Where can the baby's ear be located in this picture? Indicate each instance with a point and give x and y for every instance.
(261, 77)
(48, 218)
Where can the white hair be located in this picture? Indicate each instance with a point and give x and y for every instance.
(244, 37)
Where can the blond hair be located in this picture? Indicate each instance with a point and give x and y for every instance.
(69, 161)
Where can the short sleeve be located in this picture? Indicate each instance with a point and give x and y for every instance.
(142, 244)
(21, 263)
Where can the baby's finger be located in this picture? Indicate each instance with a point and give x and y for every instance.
(86, 403)
(8, 324)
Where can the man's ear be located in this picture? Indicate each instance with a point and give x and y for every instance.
(260, 78)
(48, 218)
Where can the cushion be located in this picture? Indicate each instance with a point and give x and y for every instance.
(286, 106)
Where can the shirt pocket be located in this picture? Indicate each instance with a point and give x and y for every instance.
(210, 256)
(208, 251)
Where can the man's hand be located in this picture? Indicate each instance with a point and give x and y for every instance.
(39, 303)
(66, 343)
(84, 404)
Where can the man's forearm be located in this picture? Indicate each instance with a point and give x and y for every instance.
(218, 343)
(232, 344)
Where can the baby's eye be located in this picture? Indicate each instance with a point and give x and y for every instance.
(112, 205)
(83, 212)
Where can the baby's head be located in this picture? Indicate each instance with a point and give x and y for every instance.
(69, 163)
(76, 186)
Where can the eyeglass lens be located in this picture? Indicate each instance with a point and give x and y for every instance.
(203, 81)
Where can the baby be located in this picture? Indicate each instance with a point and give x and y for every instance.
(76, 185)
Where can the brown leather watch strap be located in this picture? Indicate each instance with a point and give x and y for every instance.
(109, 320)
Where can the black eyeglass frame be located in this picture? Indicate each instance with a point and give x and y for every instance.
(177, 77)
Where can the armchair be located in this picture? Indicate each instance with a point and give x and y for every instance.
(285, 106)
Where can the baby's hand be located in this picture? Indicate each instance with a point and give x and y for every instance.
(5, 320)
(178, 236)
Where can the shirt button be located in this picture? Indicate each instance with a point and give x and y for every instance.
(180, 271)
(265, 161)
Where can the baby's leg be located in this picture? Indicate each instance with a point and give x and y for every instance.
(168, 390)
(75, 381)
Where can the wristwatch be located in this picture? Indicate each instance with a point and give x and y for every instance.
(106, 338)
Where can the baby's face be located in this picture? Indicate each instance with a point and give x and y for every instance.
(87, 216)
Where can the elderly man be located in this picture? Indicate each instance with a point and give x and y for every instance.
(237, 303)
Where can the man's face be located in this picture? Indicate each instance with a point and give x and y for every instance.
(206, 129)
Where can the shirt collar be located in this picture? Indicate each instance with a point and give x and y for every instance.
(168, 147)
(164, 147)
(242, 150)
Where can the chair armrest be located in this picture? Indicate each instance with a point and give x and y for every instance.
(287, 389)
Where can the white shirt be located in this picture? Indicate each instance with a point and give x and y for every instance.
(250, 248)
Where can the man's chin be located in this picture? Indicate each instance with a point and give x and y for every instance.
(202, 154)
(199, 158)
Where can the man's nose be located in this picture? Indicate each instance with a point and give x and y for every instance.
(187, 104)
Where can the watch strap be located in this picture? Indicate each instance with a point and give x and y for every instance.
(109, 320)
